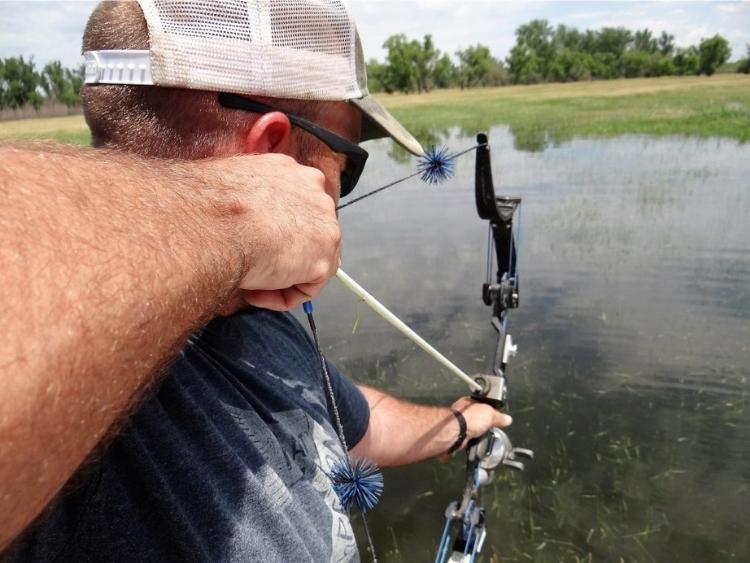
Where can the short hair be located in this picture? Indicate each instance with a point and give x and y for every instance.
(154, 120)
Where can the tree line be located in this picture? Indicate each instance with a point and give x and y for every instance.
(543, 53)
(21, 84)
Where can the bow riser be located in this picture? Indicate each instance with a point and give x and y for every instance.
(502, 294)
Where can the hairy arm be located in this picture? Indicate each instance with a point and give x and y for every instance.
(108, 264)
(401, 433)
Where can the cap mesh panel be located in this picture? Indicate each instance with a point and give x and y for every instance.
(302, 49)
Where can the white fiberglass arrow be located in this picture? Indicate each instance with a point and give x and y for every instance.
(399, 325)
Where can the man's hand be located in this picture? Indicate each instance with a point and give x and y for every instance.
(480, 417)
(284, 225)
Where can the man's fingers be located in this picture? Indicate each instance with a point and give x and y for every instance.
(281, 218)
(276, 299)
(502, 420)
(283, 299)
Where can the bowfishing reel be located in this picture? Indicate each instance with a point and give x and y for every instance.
(464, 532)
(493, 450)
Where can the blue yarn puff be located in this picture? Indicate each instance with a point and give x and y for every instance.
(436, 165)
(357, 483)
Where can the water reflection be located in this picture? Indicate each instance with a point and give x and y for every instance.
(631, 383)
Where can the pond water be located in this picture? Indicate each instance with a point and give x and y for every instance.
(631, 381)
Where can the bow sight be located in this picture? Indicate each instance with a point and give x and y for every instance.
(464, 532)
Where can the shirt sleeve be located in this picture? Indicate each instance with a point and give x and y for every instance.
(354, 411)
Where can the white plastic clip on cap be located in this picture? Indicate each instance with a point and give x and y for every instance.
(118, 67)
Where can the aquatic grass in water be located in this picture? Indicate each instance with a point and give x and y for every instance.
(631, 382)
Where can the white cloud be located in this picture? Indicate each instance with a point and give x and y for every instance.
(733, 7)
(46, 30)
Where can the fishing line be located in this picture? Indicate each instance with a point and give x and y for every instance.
(434, 167)
(356, 483)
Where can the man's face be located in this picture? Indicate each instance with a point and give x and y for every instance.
(344, 120)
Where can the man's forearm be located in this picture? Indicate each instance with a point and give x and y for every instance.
(401, 433)
(108, 264)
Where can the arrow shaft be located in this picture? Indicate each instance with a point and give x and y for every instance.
(403, 328)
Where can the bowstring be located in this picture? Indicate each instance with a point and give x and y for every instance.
(410, 176)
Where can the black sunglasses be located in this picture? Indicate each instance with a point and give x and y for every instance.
(356, 157)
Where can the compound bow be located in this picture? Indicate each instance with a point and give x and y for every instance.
(464, 532)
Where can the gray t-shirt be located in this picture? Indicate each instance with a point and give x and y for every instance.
(226, 461)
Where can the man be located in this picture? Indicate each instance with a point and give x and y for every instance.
(227, 459)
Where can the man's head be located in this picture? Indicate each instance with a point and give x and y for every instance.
(190, 53)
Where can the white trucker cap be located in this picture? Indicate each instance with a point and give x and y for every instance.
(298, 49)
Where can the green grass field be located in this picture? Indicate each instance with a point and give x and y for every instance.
(69, 129)
(697, 106)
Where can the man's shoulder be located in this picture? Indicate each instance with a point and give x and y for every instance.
(251, 347)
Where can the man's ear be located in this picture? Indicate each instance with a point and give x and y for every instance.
(271, 133)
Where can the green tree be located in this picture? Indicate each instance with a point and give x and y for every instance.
(537, 38)
(375, 75)
(53, 80)
(570, 65)
(613, 40)
(610, 43)
(409, 64)
(713, 53)
(426, 57)
(445, 73)
(523, 65)
(477, 67)
(744, 64)
(605, 65)
(19, 83)
(62, 85)
(686, 61)
(75, 77)
(644, 41)
(636, 64)
(568, 38)
(666, 43)
(589, 42)
(401, 71)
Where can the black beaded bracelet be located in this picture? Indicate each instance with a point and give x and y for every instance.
(461, 431)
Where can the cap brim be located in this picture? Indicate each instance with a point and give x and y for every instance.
(379, 123)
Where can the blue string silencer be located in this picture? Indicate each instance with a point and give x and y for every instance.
(307, 307)
(436, 166)
(357, 483)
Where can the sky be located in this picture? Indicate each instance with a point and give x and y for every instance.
(51, 30)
